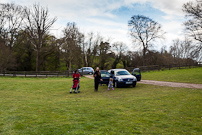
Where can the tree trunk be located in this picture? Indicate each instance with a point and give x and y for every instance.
(144, 54)
(70, 64)
(37, 59)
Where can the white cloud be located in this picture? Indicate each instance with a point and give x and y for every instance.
(170, 7)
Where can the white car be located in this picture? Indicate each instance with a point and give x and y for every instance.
(122, 77)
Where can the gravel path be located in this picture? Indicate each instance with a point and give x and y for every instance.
(89, 76)
(172, 84)
(163, 83)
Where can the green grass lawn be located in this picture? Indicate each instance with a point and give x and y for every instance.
(191, 75)
(44, 106)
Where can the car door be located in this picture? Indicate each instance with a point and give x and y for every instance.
(88, 70)
(85, 71)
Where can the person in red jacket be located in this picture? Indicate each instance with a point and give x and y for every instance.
(76, 76)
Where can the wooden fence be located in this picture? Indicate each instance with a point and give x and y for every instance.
(37, 74)
(69, 73)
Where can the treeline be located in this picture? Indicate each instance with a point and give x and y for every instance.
(27, 45)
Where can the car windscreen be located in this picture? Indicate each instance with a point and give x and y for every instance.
(105, 74)
(122, 73)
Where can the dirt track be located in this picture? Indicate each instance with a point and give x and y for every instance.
(162, 83)
(172, 84)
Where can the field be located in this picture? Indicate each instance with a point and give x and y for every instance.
(44, 106)
(191, 75)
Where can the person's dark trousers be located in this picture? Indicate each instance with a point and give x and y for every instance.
(96, 85)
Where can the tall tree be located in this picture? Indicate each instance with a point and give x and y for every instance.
(72, 41)
(91, 48)
(24, 52)
(119, 48)
(11, 17)
(144, 32)
(38, 24)
(6, 57)
(182, 50)
(193, 25)
(50, 53)
(104, 48)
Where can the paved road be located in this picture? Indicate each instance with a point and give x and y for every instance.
(163, 83)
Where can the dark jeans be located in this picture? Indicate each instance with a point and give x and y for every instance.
(96, 84)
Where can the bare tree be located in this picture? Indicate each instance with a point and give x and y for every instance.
(144, 32)
(71, 47)
(104, 48)
(91, 47)
(175, 49)
(119, 48)
(11, 17)
(38, 24)
(193, 25)
(182, 50)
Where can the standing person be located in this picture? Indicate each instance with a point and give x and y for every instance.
(110, 84)
(97, 78)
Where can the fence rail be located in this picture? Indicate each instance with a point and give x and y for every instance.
(37, 74)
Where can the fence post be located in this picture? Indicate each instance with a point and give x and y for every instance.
(14, 74)
(57, 74)
(25, 73)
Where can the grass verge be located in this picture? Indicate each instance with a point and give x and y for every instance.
(191, 75)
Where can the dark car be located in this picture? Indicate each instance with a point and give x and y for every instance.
(105, 77)
(136, 72)
(121, 77)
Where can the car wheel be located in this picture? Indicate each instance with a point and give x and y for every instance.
(134, 84)
(90, 73)
(116, 85)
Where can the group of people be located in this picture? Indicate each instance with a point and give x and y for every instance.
(97, 78)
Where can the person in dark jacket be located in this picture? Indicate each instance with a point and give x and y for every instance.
(97, 78)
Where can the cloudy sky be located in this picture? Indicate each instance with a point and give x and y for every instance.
(110, 17)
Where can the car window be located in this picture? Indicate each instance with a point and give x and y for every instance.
(84, 68)
(88, 69)
(105, 74)
(136, 72)
(122, 73)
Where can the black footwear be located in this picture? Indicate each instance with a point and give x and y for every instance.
(70, 92)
